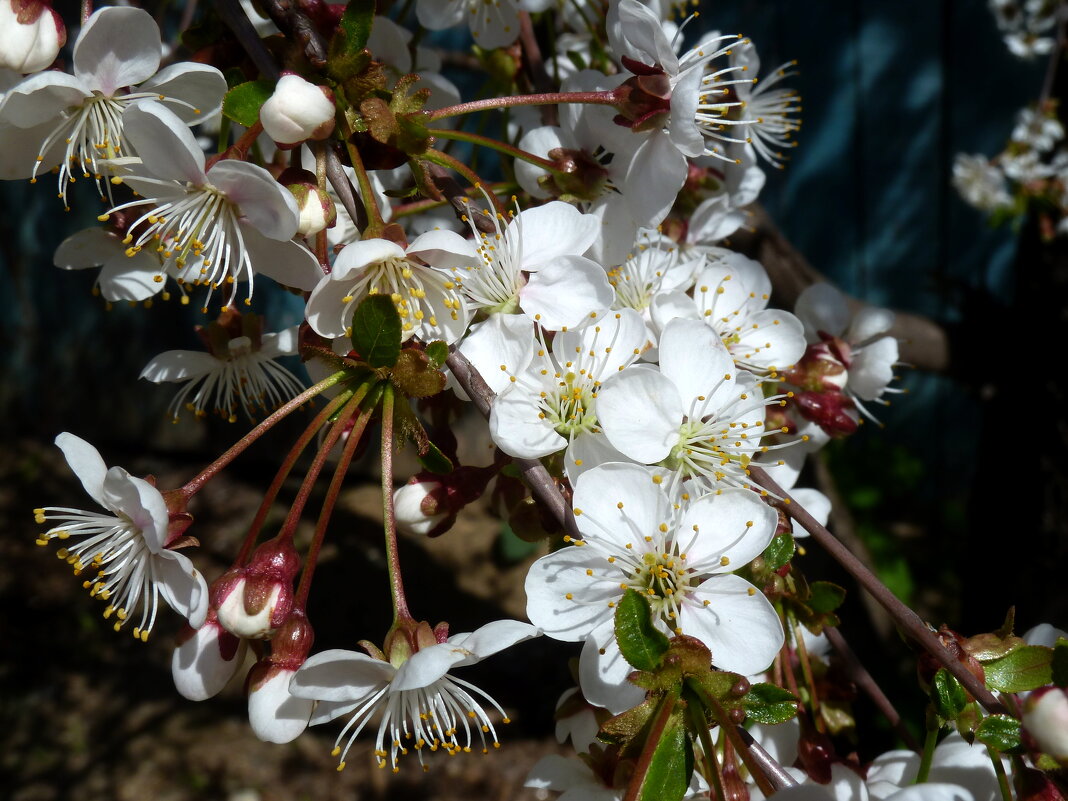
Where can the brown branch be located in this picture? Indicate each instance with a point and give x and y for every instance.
(924, 344)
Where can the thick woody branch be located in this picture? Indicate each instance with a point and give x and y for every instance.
(924, 344)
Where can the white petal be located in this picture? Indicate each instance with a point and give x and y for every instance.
(821, 307)
(426, 666)
(200, 85)
(136, 277)
(288, 263)
(620, 504)
(872, 368)
(693, 358)
(553, 577)
(518, 431)
(167, 147)
(342, 676)
(603, 676)
(502, 341)
(565, 291)
(868, 323)
(770, 340)
(551, 231)
(274, 715)
(640, 412)
(723, 531)
(179, 365)
(85, 461)
(203, 664)
(587, 451)
(444, 250)
(554, 772)
(655, 177)
(492, 638)
(140, 502)
(538, 141)
(264, 202)
(182, 586)
(815, 503)
(42, 98)
(742, 630)
(117, 47)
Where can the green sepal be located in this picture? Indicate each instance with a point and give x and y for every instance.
(825, 597)
(1000, 732)
(435, 461)
(994, 644)
(242, 103)
(671, 767)
(437, 352)
(769, 704)
(640, 642)
(1025, 668)
(354, 28)
(1059, 665)
(779, 551)
(376, 331)
(948, 696)
(624, 727)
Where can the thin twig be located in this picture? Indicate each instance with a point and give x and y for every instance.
(908, 620)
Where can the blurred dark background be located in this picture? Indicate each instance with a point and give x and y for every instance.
(959, 501)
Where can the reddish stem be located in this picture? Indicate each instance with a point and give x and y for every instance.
(541, 99)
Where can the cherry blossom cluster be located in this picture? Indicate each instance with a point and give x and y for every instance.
(650, 408)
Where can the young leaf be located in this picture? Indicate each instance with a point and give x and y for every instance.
(376, 331)
(1027, 668)
(826, 597)
(242, 103)
(767, 703)
(640, 642)
(437, 352)
(948, 695)
(435, 461)
(668, 776)
(355, 24)
(1000, 732)
(780, 551)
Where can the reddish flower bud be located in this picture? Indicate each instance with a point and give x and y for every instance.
(260, 595)
(831, 411)
(274, 714)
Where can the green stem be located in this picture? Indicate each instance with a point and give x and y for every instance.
(731, 731)
(700, 725)
(806, 670)
(929, 743)
(541, 99)
(283, 472)
(194, 485)
(332, 493)
(367, 194)
(500, 147)
(652, 740)
(999, 771)
(389, 521)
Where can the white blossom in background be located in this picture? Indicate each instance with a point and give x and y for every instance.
(126, 547)
(236, 374)
(1037, 130)
(421, 706)
(76, 121)
(980, 183)
(216, 226)
(641, 532)
(132, 277)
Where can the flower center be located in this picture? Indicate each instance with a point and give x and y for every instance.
(570, 407)
(665, 581)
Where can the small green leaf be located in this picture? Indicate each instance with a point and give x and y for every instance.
(624, 727)
(767, 703)
(668, 776)
(376, 331)
(1060, 663)
(355, 24)
(948, 695)
(437, 352)
(1000, 732)
(640, 642)
(242, 103)
(826, 597)
(1027, 668)
(435, 461)
(780, 551)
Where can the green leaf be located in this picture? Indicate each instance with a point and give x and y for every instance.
(355, 24)
(435, 461)
(640, 642)
(948, 695)
(1027, 668)
(767, 703)
(1000, 732)
(1060, 663)
(826, 597)
(437, 352)
(376, 331)
(668, 776)
(242, 103)
(780, 551)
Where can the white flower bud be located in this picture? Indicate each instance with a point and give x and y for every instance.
(30, 36)
(274, 715)
(249, 623)
(206, 660)
(1045, 716)
(297, 110)
(415, 510)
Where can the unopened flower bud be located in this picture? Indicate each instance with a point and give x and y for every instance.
(416, 506)
(274, 715)
(31, 34)
(205, 659)
(831, 411)
(260, 595)
(298, 110)
(643, 101)
(824, 367)
(316, 207)
(1045, 717)
(580, 177)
